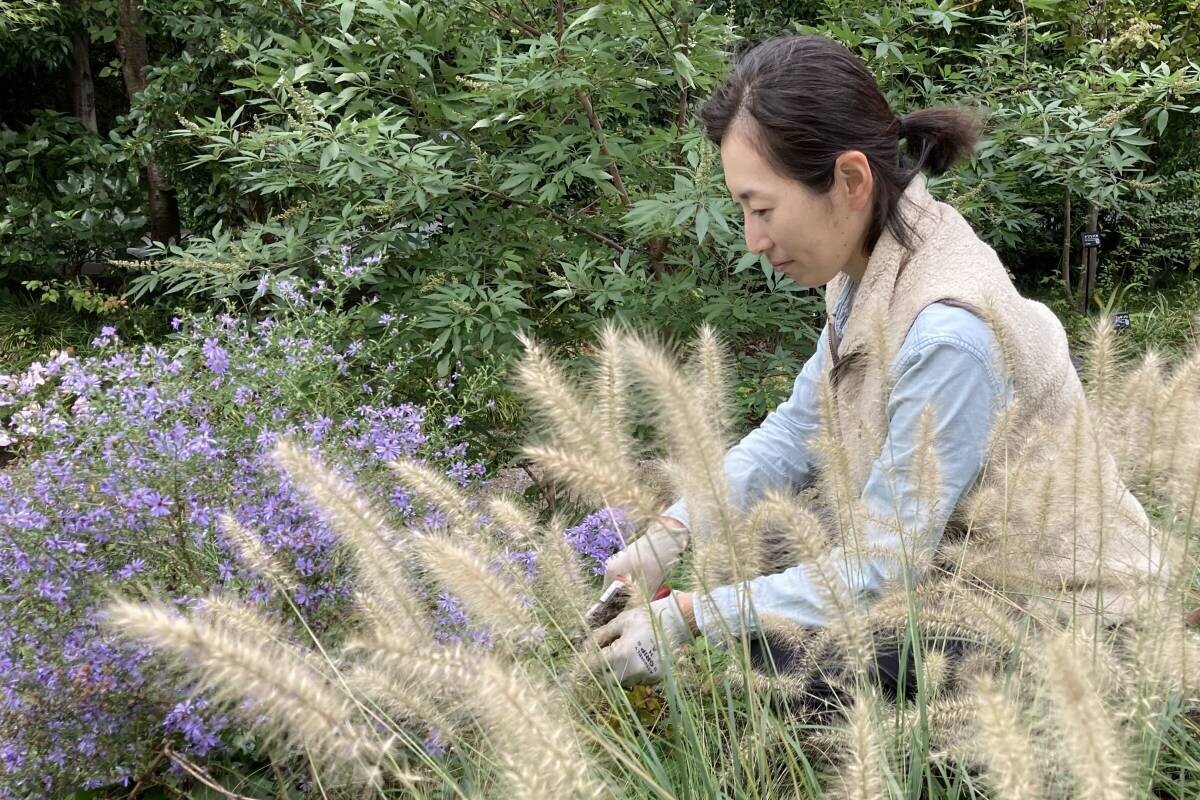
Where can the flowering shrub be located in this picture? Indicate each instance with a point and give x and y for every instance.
(125, 460)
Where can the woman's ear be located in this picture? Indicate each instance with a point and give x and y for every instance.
(852, 173)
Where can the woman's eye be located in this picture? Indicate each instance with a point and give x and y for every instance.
(762, 212)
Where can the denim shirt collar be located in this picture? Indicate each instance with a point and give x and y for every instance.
(841, 311)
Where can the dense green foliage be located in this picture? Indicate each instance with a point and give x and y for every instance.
(518, 165)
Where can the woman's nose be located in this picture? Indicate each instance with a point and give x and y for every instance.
(757, 240)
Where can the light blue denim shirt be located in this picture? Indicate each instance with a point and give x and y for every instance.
(949, 358)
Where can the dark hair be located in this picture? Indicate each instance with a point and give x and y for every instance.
(807, 99)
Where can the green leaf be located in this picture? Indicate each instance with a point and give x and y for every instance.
(328, 154)
(684, 68)
(1161, 122)
(347, 15)
(587, 16)
(418, 58)
(701, 225)
(747, 260)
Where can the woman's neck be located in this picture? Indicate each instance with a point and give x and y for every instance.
(857, 266)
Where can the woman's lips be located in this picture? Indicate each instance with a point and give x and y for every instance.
(780, 264)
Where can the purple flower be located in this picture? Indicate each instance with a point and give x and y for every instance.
(200, 729)
(434, 744)
(526, 559)
(134, 567)
(599, 535)
(215, 356)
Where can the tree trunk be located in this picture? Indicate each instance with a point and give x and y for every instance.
(83, 89)
(1066, 241)
(131, 44)
(1090, 260)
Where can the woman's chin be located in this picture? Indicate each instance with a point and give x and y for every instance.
(804, 281)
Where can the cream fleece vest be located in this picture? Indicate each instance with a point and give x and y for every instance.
(1049, 523)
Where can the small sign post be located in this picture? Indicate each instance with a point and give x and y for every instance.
(1091, 256)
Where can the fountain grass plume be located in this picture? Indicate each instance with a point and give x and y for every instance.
(695, 443)
(1005, 746)
(581, 450)
(376, 548)
(1083, 726)
(709, 366)
(835, 477)
(511, 520)
(803, 536)
(1102, 360)
(250, 548)
(594, 480)
(1132, 433)
(252, 623)
(464, 572)
(562, 585)
(537, 749)
(297, 704)
(438, 491)
(1176, 442)
(864, 764)
(609, 388)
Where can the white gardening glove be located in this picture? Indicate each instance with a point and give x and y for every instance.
(629, 646)
(647, 560)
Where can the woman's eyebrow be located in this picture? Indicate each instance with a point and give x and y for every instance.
(747, 194)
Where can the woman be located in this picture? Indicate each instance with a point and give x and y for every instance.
(812, 153)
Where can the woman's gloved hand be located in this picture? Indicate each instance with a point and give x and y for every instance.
(629, 646)
(648, 559)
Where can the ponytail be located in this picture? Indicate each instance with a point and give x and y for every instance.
(935, 138)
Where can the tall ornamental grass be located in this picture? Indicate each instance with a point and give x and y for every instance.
(1010, 701)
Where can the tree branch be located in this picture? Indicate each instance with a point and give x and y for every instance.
(599, 237)
(585, 100)
(681, 31)
(202, 776)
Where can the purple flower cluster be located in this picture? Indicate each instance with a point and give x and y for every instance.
(599, 535)
(125, 460)
(200, 729)
(451, 623)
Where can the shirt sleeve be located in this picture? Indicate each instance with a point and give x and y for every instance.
(776, 454)
(960, 382)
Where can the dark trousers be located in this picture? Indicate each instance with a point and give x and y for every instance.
(892, 671)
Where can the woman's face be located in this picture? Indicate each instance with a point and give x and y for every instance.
(809, 237)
